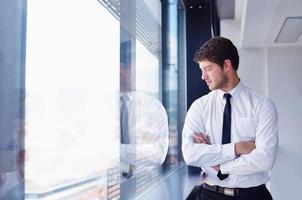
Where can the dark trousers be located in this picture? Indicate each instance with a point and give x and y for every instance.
(260, 193)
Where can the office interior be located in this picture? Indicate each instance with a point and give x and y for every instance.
(94, 93)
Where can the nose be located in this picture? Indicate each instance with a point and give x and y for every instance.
(203, 75)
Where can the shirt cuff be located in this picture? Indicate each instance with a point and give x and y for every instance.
(228, 151)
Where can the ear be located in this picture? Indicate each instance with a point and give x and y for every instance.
(227, 65)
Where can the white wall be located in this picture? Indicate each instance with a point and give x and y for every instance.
(277, 72)
(252, 70)
(285, 89)
(252, 61)
(231, 29)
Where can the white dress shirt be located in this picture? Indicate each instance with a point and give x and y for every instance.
(254, 117)
(148, 130)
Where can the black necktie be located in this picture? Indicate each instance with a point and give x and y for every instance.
(226, 128)
(124, 121)
(124, 125)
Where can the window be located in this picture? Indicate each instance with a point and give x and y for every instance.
(72, 98)
(144, 121)
(81, 96)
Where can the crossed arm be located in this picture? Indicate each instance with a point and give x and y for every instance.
(239, 158)
(240, 148)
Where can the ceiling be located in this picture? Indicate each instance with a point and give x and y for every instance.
(225, 8)
(258, 23)
(261, 22)
(195, 3)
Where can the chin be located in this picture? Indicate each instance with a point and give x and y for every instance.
(212, 88)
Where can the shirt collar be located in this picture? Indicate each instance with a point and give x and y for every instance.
(234, 92)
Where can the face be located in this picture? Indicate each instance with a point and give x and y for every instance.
(213, 74)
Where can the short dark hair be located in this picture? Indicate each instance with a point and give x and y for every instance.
(217, 50)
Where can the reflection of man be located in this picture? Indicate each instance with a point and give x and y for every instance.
(144, 130)
(125, 78)
(231, 132)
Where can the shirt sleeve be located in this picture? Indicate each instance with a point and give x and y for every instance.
(263, 157)
(202, 155)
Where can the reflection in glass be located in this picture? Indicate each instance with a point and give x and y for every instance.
(144, 129)
(12, 54)
(147, 71)
(144, 140)
(144, 123)
(170, 79)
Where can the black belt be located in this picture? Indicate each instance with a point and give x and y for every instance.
(231, 191)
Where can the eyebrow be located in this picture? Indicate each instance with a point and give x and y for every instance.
(206, 67)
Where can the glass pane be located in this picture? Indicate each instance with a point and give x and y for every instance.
(147, 71)
(12, 152)
(80, 79)
(171, 83)
(72, 98)
(144, 121)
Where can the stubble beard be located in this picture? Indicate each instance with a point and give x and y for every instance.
(220, 83)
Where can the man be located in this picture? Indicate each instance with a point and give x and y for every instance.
(232, 132)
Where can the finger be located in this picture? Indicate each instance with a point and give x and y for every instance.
(194, 139)
(200, 139)
(196, 136)
(197, 139)
(203, 140)
(204, 137)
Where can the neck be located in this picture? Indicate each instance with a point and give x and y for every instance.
(231, 83)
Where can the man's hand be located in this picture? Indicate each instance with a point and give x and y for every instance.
(200, 138)
(244, 147)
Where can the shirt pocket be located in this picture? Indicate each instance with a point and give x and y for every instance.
(246, 128)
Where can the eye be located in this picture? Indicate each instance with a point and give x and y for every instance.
(207, 69)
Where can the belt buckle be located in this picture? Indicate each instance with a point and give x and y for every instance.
(229, 192)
